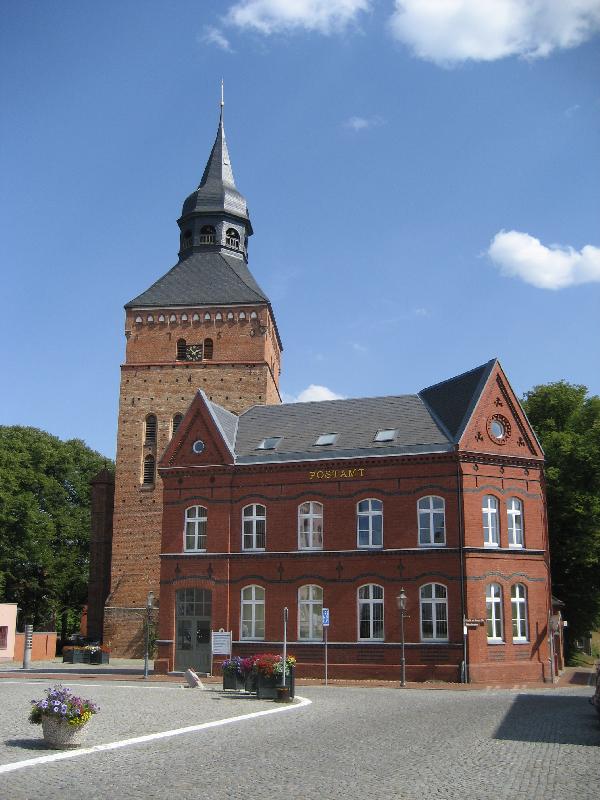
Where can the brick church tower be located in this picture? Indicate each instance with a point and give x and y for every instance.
(206, 324)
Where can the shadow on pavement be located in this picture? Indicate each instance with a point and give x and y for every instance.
(26, 744)
(550, 718)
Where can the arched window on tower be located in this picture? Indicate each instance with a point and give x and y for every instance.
(149, 470)
(208, 348)
(176, 423)
(150, 429)
(207, 234)
(232, 238)
(187, 238)
(181, 350)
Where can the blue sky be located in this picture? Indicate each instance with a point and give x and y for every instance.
(422, 180)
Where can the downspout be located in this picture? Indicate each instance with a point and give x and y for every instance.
(461, 552)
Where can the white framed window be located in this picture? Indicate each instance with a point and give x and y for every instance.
(385, 435)
(195, 528)
(433, 599)
(369, 523)
(491, 533)
(310, 618)
(270, 443)
(514, 510)
(254, 527)
(310, 526)
(325, 439)
(518, 600)
(252, 617)
(493, 607)
(370, 612)
(432, 521)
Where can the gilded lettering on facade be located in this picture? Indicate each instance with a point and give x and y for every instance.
(334, 474)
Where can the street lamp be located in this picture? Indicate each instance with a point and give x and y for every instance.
(401, 603)
(149, 606)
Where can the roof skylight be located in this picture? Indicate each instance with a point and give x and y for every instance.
(270, 443)
(386, 435)
(326, 438)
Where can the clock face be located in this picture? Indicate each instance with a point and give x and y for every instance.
(198, 446)
(193, 352)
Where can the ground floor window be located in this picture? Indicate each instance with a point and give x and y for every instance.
(253, 613)
(434, 612)
(310, 617)
(370, 612)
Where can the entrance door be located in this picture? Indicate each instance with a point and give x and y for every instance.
(192, 623)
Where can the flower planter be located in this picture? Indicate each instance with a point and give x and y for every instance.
(267, 687)
(99, 657)
(251, 682)
(59, 735)
(233, 681)
(76, 657)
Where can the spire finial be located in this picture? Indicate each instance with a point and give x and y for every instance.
(222, 95)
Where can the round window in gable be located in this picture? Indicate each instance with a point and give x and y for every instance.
(198, 446)
(498, 428)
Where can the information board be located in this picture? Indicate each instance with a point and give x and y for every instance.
(221, 643)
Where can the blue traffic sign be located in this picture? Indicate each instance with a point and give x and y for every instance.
(325, 614)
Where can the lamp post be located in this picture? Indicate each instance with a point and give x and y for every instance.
(149, 606)
(401, 603)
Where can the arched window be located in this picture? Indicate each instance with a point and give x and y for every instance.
(207, 317)
(252, 623)
(150, 429)
(491, 534)
(370, 612)
(150, 318)
(432, 526)
(208, 348)
(254, 527)
(369, 523)
(138, 320)
(493, 606)
(195, 528)
(310, 617)
(515, 522)
(181, 350)
(207, 234)
(310, 526)
(242, 315)
(196, 318)
(149, 469)
(187, 238)
(518, 599)
(253, 315)
(232, 238)
(434, 612)
(176, 423)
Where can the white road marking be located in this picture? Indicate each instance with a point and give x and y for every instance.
(112, 685)
(150, 737)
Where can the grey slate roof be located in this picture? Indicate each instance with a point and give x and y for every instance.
(204, 278)
(453, 401)
(429, 422)
(356, 421)
(217, 191)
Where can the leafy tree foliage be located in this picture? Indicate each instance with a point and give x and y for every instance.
(45, 522)
(567, 423)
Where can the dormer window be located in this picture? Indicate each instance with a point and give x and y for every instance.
(207, 234)
(270, 443)
(386, 435)
(326, 438)
(232, 238)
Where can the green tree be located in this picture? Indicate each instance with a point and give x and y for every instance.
(567, 422)
(45, 522)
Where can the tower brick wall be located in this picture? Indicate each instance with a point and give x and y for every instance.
(102, 502)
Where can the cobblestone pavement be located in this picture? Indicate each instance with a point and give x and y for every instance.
(350, 743)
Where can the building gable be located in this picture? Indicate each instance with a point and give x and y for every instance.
(201, 439)
(497, 423)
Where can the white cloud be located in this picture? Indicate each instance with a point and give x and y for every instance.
(449, 31)
(520, 255)
(362, 123)
(359, 348)
(275, 16)
(312, 393)
(215, 36)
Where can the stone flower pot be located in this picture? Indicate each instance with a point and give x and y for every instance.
(59, 735)
(233, 681)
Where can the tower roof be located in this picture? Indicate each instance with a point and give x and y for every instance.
(217, 192)
(207, 278)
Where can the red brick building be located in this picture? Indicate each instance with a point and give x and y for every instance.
(340, 504)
